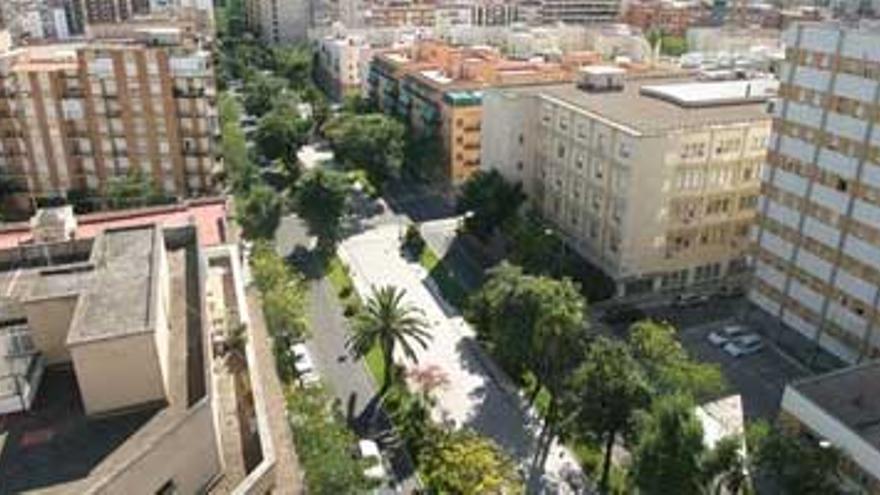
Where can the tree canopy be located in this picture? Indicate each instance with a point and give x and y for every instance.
(259, 212)
(389, 323)
(667, 364)
(321, 198)
(260, 92)
(463, 462)
(373, 142)
(281, 132)
(492, 200)
(669, 453)
(604, 394)
(795, 466)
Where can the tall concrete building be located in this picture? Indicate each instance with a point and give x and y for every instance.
(74, 116)
(279, 21)
(817, 264)
(580, 11)
(655, 180)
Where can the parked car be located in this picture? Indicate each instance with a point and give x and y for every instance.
(731, 291)
(625, 314)
(369, 451)
(688, 300)
(744, 345)
(303, 364)
(728, 333)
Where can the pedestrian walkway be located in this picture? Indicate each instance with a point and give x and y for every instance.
(478, 395)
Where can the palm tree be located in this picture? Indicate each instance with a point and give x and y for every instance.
(387, 322)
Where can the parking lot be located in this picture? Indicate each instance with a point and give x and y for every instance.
(759, 378)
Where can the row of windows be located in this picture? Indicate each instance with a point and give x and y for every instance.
(825, 177)
(854, 66)
(696, 179)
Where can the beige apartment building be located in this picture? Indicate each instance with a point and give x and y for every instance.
(74, 116)
(817, 265)
(654, 180)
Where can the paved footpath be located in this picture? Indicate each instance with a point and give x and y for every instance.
(478, 394)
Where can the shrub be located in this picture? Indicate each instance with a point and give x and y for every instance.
(345, 291)
(351, 309)
(413, 241)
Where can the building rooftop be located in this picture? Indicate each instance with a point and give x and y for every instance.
(119, 300)
(646, 114)
(208, 215)
(851, 395)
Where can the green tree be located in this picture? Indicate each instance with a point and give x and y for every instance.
(606, 391)
(284, 294)
(386, 321)
(492, 200)
(260, 93)
(259, 212)
(321, 198)
(423, 156)
(534, 246)
(373, 142)
(355, 103)
(324, 445)
(241, 174)
(667, 364)
(463, 462)
(725, 468)
(669, 453)
(294, 63)
(281, 133)
(533, 325)
(133, 189)
(411, 415)
(796, 466)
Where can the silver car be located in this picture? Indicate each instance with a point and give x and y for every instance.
(743, 346)
(728, 333)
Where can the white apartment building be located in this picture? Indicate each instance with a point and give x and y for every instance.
(279, 21)
(817, 265)
(653, 180)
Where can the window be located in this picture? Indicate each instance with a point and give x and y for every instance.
(169, 488)
(560, 151)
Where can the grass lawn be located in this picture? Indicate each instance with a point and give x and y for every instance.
(451, 289)
(376, 364)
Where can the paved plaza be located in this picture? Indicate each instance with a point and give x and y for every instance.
(478, 395)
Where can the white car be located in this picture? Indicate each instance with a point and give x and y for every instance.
(727, 334)
(303, 364)
(369, 451)
(743, 346)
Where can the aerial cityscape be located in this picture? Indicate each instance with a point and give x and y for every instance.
(440, 247)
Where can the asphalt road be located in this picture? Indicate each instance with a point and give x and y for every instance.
(346, 378)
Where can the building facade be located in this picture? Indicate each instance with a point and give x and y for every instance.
(279, 22)
(654, 180)
(340, 65)
(579, 11)
(817, 261)
(670, 17)
(73, 117)
(437, 89)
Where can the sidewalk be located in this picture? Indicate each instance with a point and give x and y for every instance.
(479, 395)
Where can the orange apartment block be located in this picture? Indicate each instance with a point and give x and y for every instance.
(436, 89)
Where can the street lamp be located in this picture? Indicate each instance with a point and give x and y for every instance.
(464, 218)
(559, 259)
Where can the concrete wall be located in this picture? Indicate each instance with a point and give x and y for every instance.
(186, 453)
(49, 321)
(118, 373)
(160, 311)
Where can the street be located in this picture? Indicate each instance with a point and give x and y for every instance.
(346, 378)
(478, 394)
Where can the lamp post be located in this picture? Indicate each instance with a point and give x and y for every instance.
(561, 256)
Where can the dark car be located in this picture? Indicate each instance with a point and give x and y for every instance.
(623, 314)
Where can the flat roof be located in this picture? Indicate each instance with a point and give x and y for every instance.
(851, 395)
(645, 114)
(119, 299)
(701, 94)
(208, 214)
